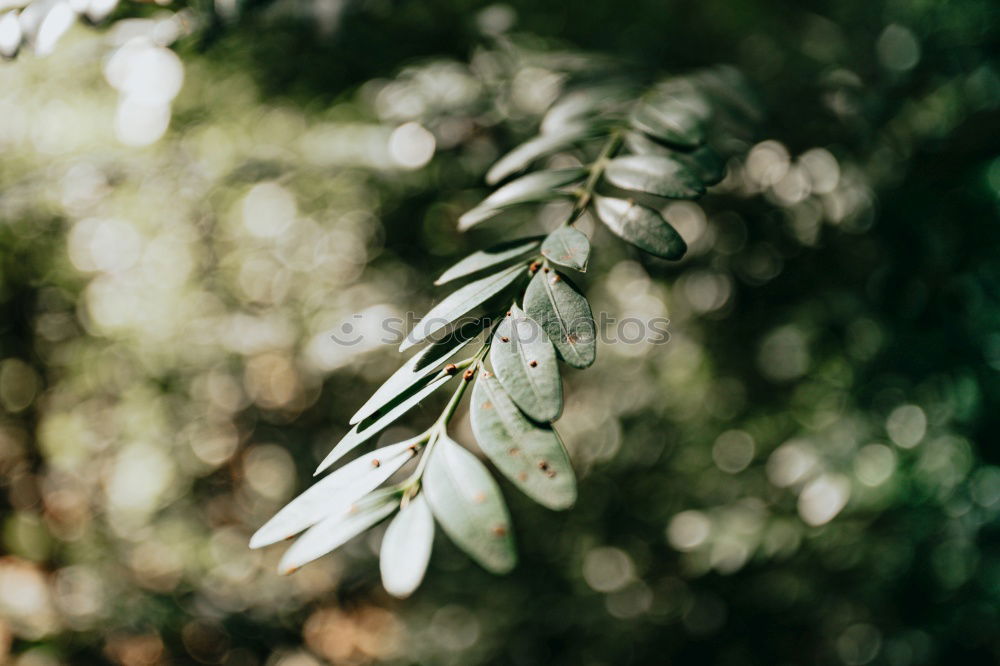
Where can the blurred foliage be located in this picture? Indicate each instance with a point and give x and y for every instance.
(805, 473)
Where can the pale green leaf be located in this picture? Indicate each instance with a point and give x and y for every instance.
(675, 123)
(494, 256)
(531, 150)
(580, 106)
(440, 349)
(467, 503)
(381, 419)
(537, 186)
(655, 174)
(641, 226)
(404, 379)
(406, 548)
(704, 162)
(338, 529)
(461, 302)
(338, 490)
(564, 314)
(568, 247)
(529, 454)
(525, 363)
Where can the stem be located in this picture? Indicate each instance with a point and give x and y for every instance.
(596, 170)
(439, 428)
(411, 485)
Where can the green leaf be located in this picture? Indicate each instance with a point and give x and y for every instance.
(449, 344)
(579, 106)
(406, 378)
(538, 186)
(494, 256)
(338, 529)
(335, 493)
(381, 419)
(656, 174)
(406, 548)
(567, 247)
(641, 226)
(525, 363)
(675, 123)
(461, 302)
(704, 162)
(529, 454)
(466, 501)
(564, 314)
(531, 150)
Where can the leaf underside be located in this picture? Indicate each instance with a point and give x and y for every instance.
(656, 174)
(406, 548)
(467, 503)
(529, 454)
(494, 256)
(461, 302)
(641, 226)
(568, 247)
(533, 187)
(381, 419)
(565, 316)
(525, 363)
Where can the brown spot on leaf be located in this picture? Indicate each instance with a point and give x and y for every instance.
(504, 338)
(555, 278)
(546, 269)
(487, 405)
(376, 463)
(479, 497)
(572, 338)
(533, 268)
(533, 364)
(450, 369)
(468, 374)
(523, 476)
(500, 530)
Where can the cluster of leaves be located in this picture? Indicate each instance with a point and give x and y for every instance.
(669, 143)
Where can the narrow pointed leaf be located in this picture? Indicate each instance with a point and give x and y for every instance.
(525, 363)
(568, 247)
(529, 454)
(466, 501)
(406, 548)
(449, 344)
(401, 381)
(334, 493)
(380, 420)
(496, 255)
(538, 186)
(531, 150)
(461, 302)
(417, 371)
(704, 162)
(579, 106)
(338, 529)
(676, 124)
(656, 174)
(565, 316)
(641, 226)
